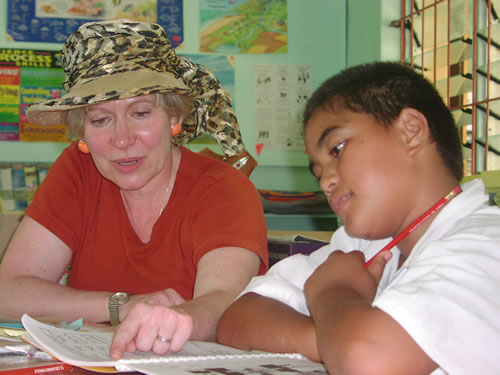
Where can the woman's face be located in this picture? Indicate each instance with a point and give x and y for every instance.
(129, 140)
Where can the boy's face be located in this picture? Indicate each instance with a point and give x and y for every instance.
(363, 169)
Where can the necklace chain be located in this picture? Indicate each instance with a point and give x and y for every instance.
(171, 179)
(165, 201)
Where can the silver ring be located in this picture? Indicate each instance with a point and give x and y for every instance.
(162, 339)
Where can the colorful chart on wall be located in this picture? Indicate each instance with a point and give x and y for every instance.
(27, 76)
(244, 26)
(53, 21)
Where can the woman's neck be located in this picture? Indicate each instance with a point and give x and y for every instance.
(144, 208)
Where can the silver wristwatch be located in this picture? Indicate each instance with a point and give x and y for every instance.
(115, 301)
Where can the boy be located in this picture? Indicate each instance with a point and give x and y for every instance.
(385, 149)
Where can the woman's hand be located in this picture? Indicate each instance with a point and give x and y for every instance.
(158, 327)
(222, 274)
(167, 297)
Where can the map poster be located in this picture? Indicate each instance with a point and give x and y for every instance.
(27, 76)
(52, 21)
(244, 26)
(280, 93)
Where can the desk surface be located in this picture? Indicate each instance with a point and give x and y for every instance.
(74, 371)
(81, 371)
(320, 235)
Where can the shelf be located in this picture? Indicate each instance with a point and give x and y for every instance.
(44, 152)
(301, 222)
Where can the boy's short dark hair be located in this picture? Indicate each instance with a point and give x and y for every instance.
(382, 90)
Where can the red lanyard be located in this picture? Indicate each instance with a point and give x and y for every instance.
(440, 203)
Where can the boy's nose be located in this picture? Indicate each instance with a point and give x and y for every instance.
(328, 181)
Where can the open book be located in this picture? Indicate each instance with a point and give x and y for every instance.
(91, 350)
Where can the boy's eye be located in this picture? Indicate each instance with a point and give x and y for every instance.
(335, 152)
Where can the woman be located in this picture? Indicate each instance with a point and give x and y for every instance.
(158, 238)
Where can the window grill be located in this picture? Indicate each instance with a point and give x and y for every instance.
(456, 45)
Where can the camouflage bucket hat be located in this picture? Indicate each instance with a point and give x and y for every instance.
(121, 59)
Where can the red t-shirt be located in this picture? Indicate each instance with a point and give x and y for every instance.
(212, 205)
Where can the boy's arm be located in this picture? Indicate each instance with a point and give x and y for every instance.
(257, 322)
(353, 336)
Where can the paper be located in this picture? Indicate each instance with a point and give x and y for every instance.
(90, 349)
(280, 94)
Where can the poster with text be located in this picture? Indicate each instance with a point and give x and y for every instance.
(280, 94)
(244, 26)
(27, 76)
(53, 21)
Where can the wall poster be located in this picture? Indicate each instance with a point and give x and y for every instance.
(280, 93)
(27, 76)
(53, 21)
(244, 26)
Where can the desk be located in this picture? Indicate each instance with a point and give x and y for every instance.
(81, 371)
(74, 371)
(319, 235)
(24, 362)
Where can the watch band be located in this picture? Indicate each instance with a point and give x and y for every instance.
(115, 301)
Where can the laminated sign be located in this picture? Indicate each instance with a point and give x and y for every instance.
(27, 76)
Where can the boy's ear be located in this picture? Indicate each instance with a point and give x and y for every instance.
(413, 129)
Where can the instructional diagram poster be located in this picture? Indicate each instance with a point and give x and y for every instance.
(53, 21)
(27, 76)
(244, 26)
(280, 93)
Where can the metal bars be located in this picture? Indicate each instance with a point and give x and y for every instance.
(456, 45)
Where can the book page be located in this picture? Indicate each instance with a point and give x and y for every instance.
(90, 349)
(74, 347)
(266, 365)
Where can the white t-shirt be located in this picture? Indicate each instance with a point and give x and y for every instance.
(446, 295)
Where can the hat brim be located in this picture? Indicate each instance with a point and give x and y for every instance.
(108, 87)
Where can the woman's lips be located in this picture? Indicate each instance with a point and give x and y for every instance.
(127, 164)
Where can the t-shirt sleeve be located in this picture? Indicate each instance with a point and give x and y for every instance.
(228, 213)
(285, 280)
(56, 203)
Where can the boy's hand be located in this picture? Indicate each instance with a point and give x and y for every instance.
(347, 270)
(376, 268)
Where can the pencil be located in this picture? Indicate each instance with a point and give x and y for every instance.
(440, 203)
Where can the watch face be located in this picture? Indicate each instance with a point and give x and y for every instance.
(119, 298)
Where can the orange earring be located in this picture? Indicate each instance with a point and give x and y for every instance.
(175, 129)
(82, 146)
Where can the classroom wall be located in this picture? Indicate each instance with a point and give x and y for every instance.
(369, 36)
(326, 34)
(317, 37)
